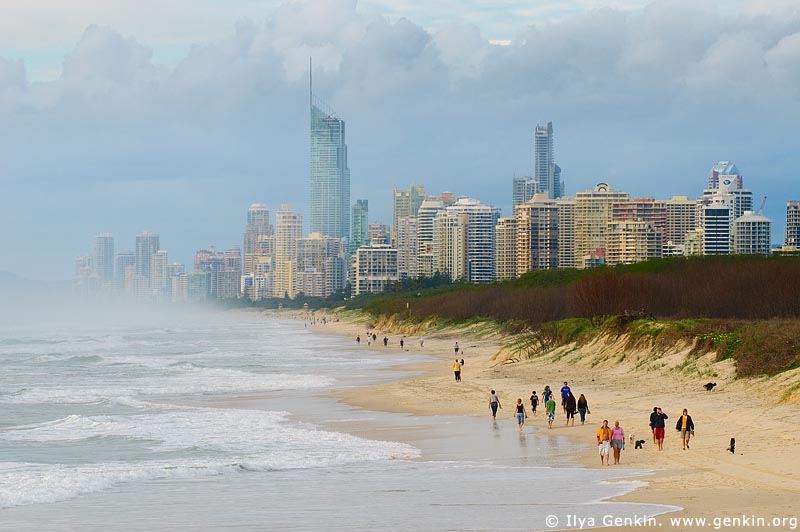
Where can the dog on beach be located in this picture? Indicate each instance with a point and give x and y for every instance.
(633, 437)
(732, 447)
(639, 444)
(709, 386)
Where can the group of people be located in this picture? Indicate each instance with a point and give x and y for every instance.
(569, 404)
(685, 426)
(373, 337)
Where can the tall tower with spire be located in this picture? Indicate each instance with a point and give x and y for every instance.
(330, 176)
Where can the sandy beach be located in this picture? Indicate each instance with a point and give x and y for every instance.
(762, 479)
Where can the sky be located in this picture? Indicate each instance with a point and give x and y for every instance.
(134, 115)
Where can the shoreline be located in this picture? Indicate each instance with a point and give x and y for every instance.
(705, 480)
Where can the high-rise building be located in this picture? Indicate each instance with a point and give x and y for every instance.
(258, 284)
(722, 171)
(104, 258)
(752, 234)
(716, 215)
(198, 286)
(379, 233)
(481, 222)
(320, 265)
(257, 228)
(566, 232)
(288, 228)
(146, 245)
(547, 172)
(631, 241)
(450, 247)
(681, 218)
(375, 269)
(537, 234)
(407, 243)
(726, 179)
(212, 262)
(522, 190)
(359, 234)
(427, 213)
(229, 278)
(506, 248)
(330, 175)
(593, 211)
(159, 276)
(124, 260)
(791, 236)
(642, 210)
(406, 202)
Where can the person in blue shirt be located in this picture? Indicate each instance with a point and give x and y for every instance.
(564, 394)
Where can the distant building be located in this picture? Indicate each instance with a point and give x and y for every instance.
(146, 245)
(212, 262)
(450, 245)
(791, 237)
(716, 215)
(547, 172)
(86, 284)
(481, 223)
(425, 216)
(537, 234)
(104, 258)
(506, 248)
(642, 210)
(593, 212)
(752, 234)
(724, 171)
(595, 258)
(379, 233)
(159, 276)
(359, 233)
(124, 269)
(693, 245)
(288, 228)
(681, 218)
(406, 203)
(523, 189)
(257, 229)
(375, 269)
(230, 276)
(198, 286)
(407, 243)
(566, 232)
(630, 241)
(725, 179)
(320, 265)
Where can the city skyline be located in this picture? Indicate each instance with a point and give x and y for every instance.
(424, 102)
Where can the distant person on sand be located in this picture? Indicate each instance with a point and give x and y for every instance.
(358, 339)
(385, 341)
(659, 426)
(604, 441)
(617, 441)
(494, 404)
(457, 370)
(374, 337)
(653, 423)
(583, 408)
(534, 402)
(402, 343)
(685, 426)
(564, 394)
(550, 406)
(521, 415)
(571, 408)
(456, 347)
(421, 341)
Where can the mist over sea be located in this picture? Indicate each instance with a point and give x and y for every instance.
(215, 421)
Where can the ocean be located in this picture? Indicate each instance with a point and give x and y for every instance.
(219, 421)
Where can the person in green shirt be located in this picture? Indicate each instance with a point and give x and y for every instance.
(550, 405)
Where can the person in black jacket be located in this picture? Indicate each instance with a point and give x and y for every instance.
(685, 426)
(659, 426)
(571, 408)
(653, 423)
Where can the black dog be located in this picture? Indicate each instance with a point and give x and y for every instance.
(732, 448)
(709, 386)
(639, 444)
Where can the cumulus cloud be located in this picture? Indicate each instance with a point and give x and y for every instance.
(647, 98)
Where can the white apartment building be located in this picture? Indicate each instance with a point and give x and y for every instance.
(752, 234)
(375, 269)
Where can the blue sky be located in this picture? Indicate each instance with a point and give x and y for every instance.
(136, 115)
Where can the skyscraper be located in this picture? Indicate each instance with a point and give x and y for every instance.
(146, 245)
(505, 254)
(537, 234)
(630, 240)
(124, 272)
(716, 215)
(450, 245)
(681, 218)
(481, 222)
(257, 226)
(407, 244)
(359, 235)
(425, 216)
(288, 228)
(104, 258)
(159, 275)
(522, 190)
(406, 203)
(547, 172)
(593, 211)
(791, 235)
(330, 176)
(320, 265)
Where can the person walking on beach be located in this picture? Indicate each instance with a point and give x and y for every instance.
(604, 441)
(571, 408)
(685, 426)
(653, 424)
(534, 402)
(546, 394)
(659, 426)
(402, 342)
(550, 406)
(374, 337)
(457, 370)
(583, 408)
(385, 341)
(564, 394)
(421, 341)
(456, 347)
(521, 415)
(358, 339)
(494, 404)
(617, 441)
